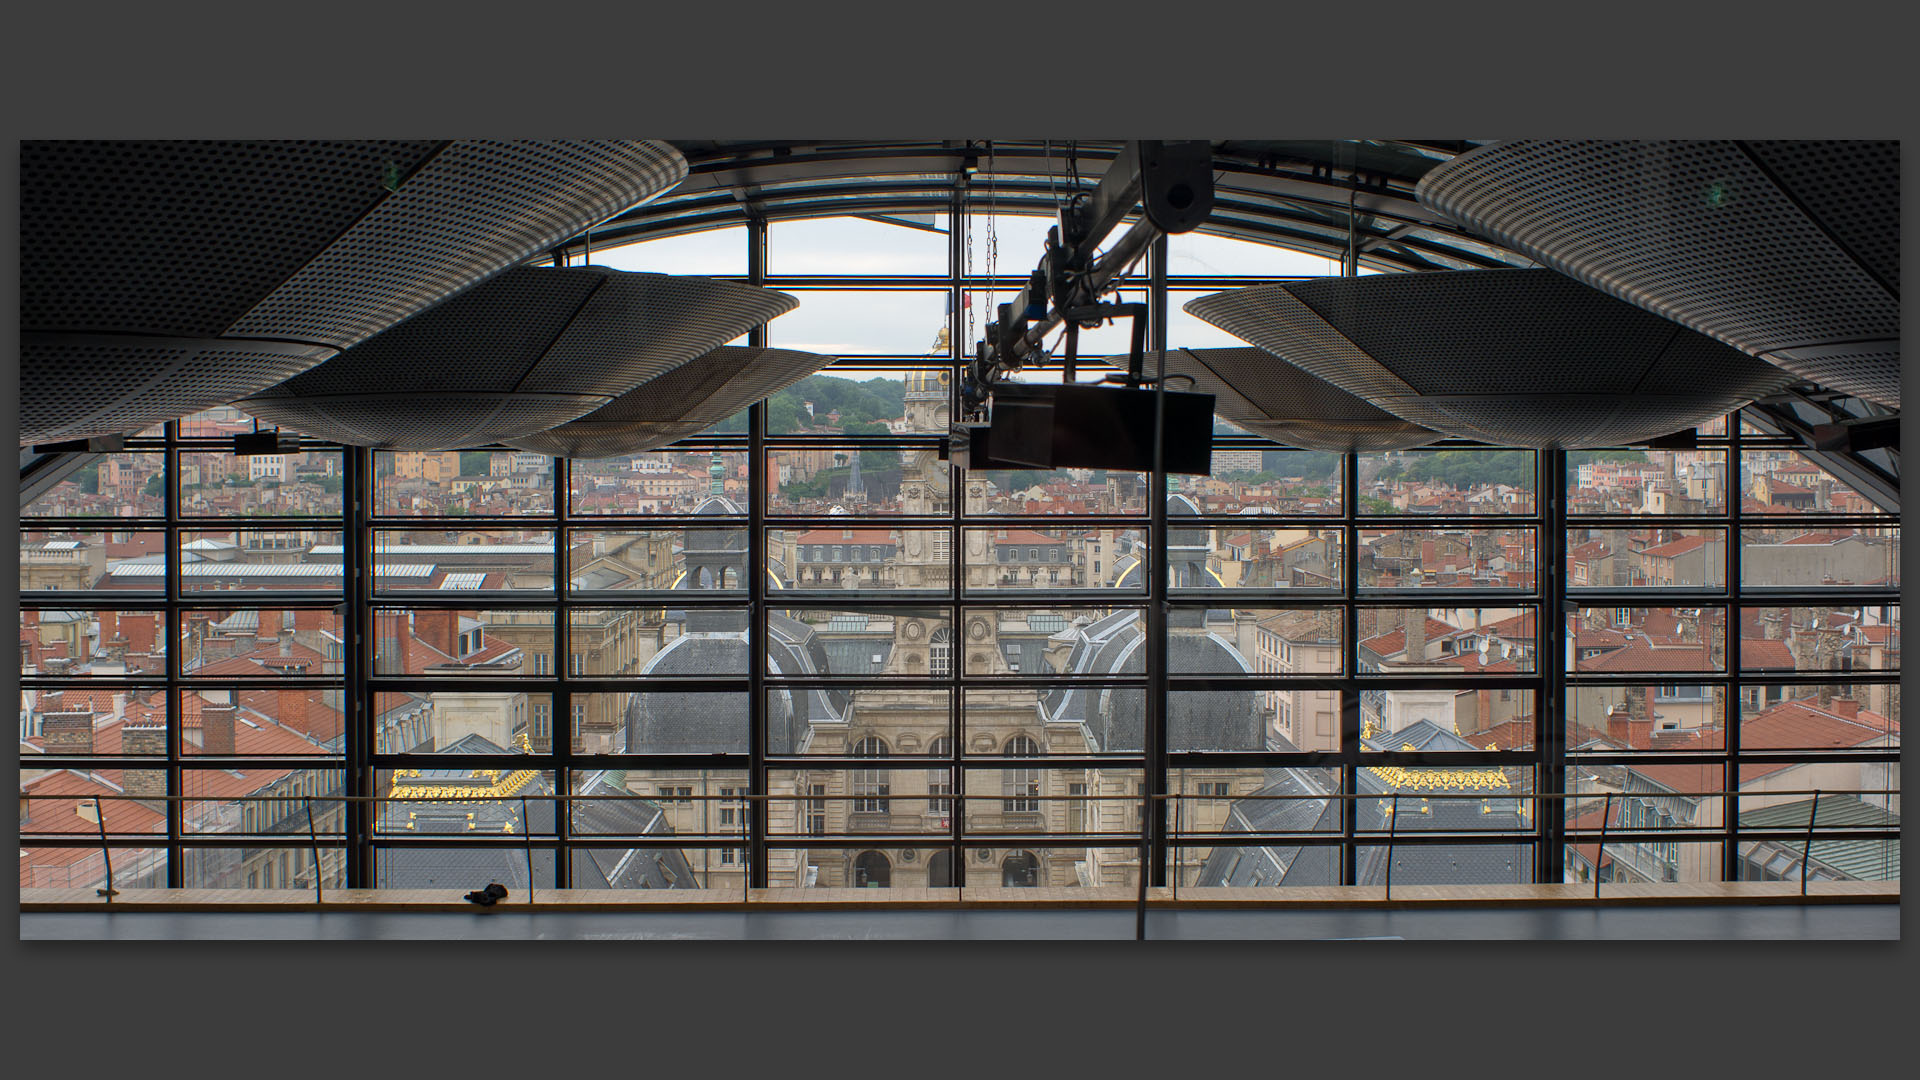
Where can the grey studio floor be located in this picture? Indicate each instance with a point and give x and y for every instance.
(1833, 922)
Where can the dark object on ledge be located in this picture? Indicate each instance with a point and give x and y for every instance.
(489, 896)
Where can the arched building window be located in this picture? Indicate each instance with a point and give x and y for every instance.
(1020, 870)
(872, 870)
(940, 870)
(870, 786)
(940, 660)
(1022, 786)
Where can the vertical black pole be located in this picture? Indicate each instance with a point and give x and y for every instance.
(958, 346)
(561, 747)
(313, 841)
(526, 834)
(1393, 826)
(1550, 717)
(1806, 853)
(1732, 490)
(1600, 853)
(357, 702)
(174, 696)
(1350, 663)
(758, 778)
(1157, 734)
(106, 853)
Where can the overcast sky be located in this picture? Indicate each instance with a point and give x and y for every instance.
(908, 323)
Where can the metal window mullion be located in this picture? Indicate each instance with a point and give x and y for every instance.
(1156, 728)
(1550, 721)
(176, 728)
(1730, 808)
(357, 656)
(758, 489)
(560, 749)
(1350, 658)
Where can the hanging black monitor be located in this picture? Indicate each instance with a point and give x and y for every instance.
(1097, 427)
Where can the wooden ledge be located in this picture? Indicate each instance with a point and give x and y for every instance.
(1347, 897)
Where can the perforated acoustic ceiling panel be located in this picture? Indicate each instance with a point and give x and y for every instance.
(160, 278)
(685, 401)
(527, 351)
(1270, 397)
(1523, 357)
(1788, 250)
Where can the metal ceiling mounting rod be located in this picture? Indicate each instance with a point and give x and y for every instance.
(1172, 180)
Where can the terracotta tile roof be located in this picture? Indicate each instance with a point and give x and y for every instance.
(1821, 538)
(1765, 654)
(1646, 655)
(1394, 642)
(1675, 548)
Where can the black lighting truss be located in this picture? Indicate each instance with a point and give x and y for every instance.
(357, 767)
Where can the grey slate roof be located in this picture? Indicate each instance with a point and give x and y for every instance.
(1114, 718)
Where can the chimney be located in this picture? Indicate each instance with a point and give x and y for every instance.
(1846, 706)
(1617, 725)
(286, 641)
(68, 732)
(57, 665)
(1826, 695)
(146, 742)
(1485, 699)
(438, 629)
(291, 708)
(216, 729)
(1416, 636)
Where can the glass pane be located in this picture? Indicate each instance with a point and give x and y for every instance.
(304, 484)
(219, 422)
(1648, 639)
(866, 722)
(1442, 719)
(1475, 798)
(1646, 482)
(106, 485)
(856, 246)
(263, 868)
(860, 557)
(671, 802)
(499, 483)
(710, 252)
(463, 560)
(446, 642)
(462, 802)
(1445, 864)
(845, 402)
(1646, 558)
(1655, 716)
(1818, 716)
(263, 801)
(449, 722)
(1820, 637)
(1202, 255)
(661, 482)
(1820, 558)
(717, 869)
(908, 642)
(62, 802)
(1055, 491)
(257, 560)
(1239, 558)
(1080, 720)
(92, 643)
(706, 558)
(1262, 481)
(858, 868)
(1832, 854)
(79, 721)
(86, 867)
(1041, 640)
(1786, 482)
(890, 797)
(1447, 559)
(261, 722)
(82, 560)
(676, 722)
(847, 323)
(1447, 482)
(1285, 799)
(1447, 641)
(1219, 720)
(256, 643)
(1040, 801)
(454, 867)
(848, 480)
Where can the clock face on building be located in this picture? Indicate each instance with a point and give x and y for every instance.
(977, 629)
